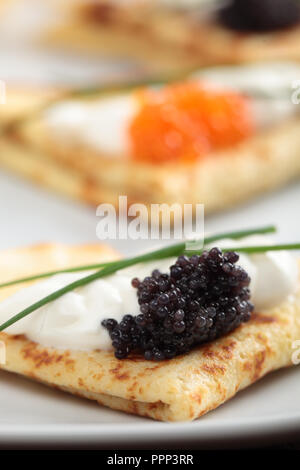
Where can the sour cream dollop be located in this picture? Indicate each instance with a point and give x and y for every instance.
(74, 320)
(102, 126)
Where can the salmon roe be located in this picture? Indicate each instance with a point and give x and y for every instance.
(185, 121)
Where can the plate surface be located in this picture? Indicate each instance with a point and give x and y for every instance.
(33, 413)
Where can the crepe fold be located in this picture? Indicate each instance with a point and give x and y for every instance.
(179, 389)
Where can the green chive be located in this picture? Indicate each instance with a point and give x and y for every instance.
(173, 250)
(264, 248)
(52, 273)
(252, 249)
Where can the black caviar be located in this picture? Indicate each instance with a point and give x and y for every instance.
(204, 297)
(260, 15)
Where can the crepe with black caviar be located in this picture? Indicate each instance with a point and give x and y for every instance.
(183, 388)
(166, 37)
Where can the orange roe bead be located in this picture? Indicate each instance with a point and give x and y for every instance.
(185, 121)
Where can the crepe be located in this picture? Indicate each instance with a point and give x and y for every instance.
(21, 101)
(166, 38)
(222, 179)
(183, 388)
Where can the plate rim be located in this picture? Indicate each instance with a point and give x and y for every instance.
(103, 433)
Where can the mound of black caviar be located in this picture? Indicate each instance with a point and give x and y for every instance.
(260, 15)
(203, 298)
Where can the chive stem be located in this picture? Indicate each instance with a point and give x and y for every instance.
(173, 250)
(254, 249)
(264, 248)
(53, 273)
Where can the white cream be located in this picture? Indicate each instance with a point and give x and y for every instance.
(102, 125)
(269, 85)
(74, 320)
(273, 79)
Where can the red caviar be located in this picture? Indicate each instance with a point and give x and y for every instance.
(185, 121)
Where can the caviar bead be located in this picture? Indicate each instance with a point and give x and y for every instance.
(109, 324)
(135, 282)
(163, 299)
(162, 312)
(179, 326)
(179, 315)
(200, 321)
(148, 355)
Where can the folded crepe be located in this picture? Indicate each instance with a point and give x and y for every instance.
(164, 37)
(57, 158)
(183, 388)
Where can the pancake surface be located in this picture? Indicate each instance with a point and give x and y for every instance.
(220, 179)
(166, 39)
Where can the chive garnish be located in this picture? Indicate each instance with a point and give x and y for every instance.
(254, 249)
(264, 248)
(174, 250)
(35, 277)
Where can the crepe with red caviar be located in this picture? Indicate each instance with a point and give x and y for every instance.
(168, 37)
(188, 143)
(182, 388)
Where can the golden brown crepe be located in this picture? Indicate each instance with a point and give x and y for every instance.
(23, 100)
(166, 38)
(222, 179)
(183, 388)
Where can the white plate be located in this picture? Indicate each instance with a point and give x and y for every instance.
(33, 413)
